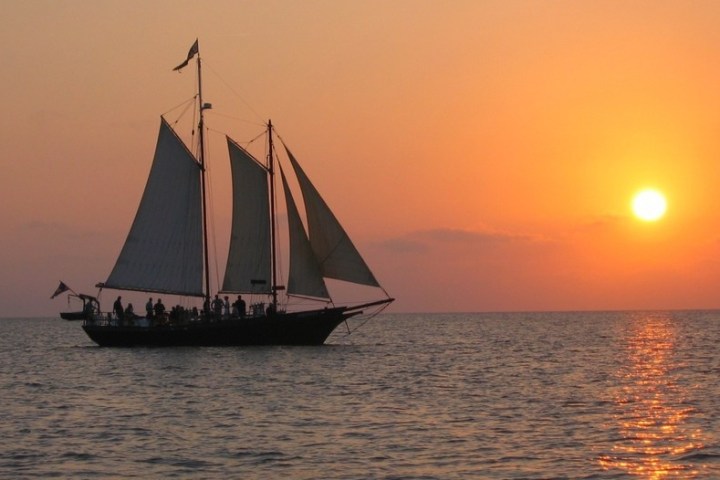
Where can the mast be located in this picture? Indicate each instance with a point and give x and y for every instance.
(201, 131)
(271, 170)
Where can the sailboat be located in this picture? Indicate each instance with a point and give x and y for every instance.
(166, 252)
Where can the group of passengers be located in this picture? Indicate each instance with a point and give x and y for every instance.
(156, 311)
(222, 308)
(128, 314)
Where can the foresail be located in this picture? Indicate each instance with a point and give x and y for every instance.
(163, 251)
(337, 256)
(304, 277)
(248, 267)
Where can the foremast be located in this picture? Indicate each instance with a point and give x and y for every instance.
(203, 181)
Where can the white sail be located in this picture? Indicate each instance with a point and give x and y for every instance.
(248, 267)
(305, 277)
(163, 251)
(337, 256)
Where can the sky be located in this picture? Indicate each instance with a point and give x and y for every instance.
(482, 155)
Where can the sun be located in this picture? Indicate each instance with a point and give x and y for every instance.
(649, 205)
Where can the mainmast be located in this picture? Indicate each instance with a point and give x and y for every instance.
(201, 158)
(271, 170)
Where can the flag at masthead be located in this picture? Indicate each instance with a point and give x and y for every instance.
(193, 51)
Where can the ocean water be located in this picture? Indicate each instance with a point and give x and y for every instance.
(414, 396)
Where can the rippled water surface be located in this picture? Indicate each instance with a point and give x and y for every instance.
(507, 396)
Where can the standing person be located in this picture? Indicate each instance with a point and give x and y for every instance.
(226, 307)
(240, 306)
(217, 305)
(149, 308)
(118, 309)
(159, 309)
(88, 310)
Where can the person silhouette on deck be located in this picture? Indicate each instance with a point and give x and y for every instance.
(159, 308)
(226, 307)
(149, 308)
(118, 309)
(239, 305)
(217, 306)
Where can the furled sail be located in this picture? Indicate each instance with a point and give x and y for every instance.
(248, 267)
(304, 277)
(337, 256)
(163, 251)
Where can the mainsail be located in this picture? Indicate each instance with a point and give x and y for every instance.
(248, 267)
(164, 250)
(335, 253)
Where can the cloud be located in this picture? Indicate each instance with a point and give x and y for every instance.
(63, 231)
(601, 223)
(58, 243)
(405, 244)
(423, 240)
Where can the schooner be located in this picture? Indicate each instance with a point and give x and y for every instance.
(166, 252)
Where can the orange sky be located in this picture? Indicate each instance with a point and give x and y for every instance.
(482, 155)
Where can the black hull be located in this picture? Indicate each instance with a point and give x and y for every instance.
(299, 328)
(72, 315)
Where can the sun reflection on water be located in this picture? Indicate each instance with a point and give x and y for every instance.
(652, 411)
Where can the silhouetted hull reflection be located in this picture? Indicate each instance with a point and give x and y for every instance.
(299, 328)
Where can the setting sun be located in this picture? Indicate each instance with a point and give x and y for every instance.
(649, 205)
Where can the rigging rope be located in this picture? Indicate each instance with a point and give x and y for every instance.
(229, 87)
(187, 104)
(232, 117)
(370, 317)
